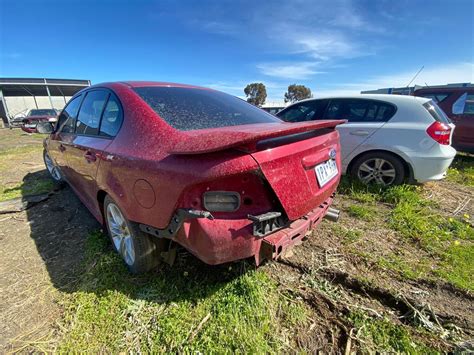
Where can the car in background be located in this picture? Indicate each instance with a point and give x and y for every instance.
(458, 104)
(161, 162)
(388, 139)
(38, 115)
(272, 109)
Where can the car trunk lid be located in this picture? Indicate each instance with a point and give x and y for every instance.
(287, 154)
(291, 172)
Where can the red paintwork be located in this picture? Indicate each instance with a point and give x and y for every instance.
(463, 136)
(33, 120)
(151, 169)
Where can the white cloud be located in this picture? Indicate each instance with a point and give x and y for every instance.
(326, 46)
(295, 70)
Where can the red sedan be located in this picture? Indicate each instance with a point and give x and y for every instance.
(160, 162)
(38, 115)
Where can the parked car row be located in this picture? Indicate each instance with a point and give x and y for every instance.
(388, 139)
(159, 163)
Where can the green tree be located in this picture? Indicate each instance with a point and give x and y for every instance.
(256, 93)
(297, 93)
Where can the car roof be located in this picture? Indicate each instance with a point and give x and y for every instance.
(395, 99)
(140, 84)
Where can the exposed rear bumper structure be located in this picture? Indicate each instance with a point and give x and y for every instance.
(274, 245)
(217, 241)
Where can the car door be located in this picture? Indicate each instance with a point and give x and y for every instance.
(463, 118)
(88, 145)
(61, 140)
(364, 117)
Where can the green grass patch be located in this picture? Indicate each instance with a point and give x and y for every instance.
(186, 308)
(366, 213)
(26, 188)
(348, 236)
(419, 221)
(462, 170)
(457, 265)
(381, 335)
(411, 270)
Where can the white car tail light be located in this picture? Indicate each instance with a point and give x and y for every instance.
(440, 132)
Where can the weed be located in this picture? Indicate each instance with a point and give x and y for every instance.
(381, 335)
(462, 170)
(179, 309)
(26, 188)
(363, 212)
(348, 235)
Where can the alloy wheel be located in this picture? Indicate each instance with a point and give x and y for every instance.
(120, 233)
(52, 168)
(377, 170)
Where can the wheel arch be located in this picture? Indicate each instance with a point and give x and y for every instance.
(100, 200)
(406, 166)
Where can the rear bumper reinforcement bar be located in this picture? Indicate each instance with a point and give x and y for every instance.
(274, 245)
(176, 222)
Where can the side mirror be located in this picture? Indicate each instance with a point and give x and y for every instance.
(45, 127)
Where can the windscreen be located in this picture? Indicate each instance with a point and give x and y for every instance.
(43, 112)
(437, 113)
(189, 108)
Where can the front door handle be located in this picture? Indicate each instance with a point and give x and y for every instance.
(359, 133)
(90, 157)
(62, 148)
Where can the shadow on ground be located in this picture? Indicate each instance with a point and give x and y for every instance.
(79, 257)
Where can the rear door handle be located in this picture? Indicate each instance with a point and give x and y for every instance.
(359, 133)
(90, 157)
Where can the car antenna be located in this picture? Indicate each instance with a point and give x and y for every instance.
(418, 72)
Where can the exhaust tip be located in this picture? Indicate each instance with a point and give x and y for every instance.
(332, 214)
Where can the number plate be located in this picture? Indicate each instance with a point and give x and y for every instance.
(326, 171)
(30, 125)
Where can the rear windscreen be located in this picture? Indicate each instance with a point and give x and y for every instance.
(437, 113)
(189, 109)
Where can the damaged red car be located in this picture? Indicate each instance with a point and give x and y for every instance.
(158, 163)
(38, 115)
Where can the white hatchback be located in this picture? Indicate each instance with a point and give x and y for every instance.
(388, 139)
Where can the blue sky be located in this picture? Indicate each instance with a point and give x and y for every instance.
(332, 46)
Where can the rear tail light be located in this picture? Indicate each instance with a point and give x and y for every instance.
(440, 132)
(221, 201)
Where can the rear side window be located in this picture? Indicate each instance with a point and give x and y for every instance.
(360, 110)
(189, 109)
(469, 106)
(91, 110)
(305, 111)
(464, 105)
(111, 118)
(436, 112)
(68, 115)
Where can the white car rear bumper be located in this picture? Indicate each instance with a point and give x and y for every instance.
(430, 168)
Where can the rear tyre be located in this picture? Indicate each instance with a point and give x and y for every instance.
(380, 168)
(53, 170)
(139, 252)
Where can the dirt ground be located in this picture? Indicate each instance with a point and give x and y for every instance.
(42, 249)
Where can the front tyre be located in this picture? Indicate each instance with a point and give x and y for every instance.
(380, 168)
(53, 170)
(136, 248)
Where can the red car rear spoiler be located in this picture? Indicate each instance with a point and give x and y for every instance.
(216, 139)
